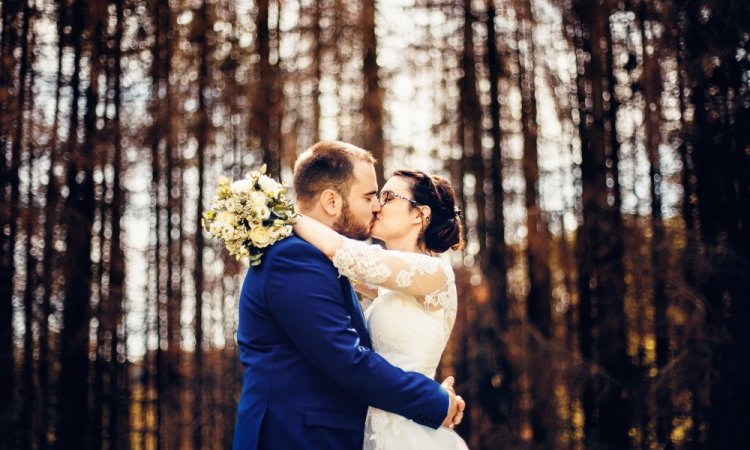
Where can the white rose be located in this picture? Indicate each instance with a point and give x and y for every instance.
(260, 237)
(262, 212)
(243, 186)
(269, 186)
(257, 199)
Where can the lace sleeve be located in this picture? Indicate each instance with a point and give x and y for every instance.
(422, 276)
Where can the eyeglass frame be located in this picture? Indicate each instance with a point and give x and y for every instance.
(413, 202)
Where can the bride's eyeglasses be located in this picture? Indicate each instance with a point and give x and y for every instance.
(386, 196)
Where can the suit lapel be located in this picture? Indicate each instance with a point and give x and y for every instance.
(355, 312)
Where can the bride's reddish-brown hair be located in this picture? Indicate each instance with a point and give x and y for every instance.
(444, 230)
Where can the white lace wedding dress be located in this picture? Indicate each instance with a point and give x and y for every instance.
(409, 333)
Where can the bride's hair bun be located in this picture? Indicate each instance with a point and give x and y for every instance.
(444, 230)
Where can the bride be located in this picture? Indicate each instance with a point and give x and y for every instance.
(413, 290)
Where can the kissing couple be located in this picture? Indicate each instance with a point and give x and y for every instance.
(321, 374)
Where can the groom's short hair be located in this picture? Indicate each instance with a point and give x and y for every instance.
(327, 165)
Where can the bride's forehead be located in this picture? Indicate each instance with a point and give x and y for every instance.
(397, 185)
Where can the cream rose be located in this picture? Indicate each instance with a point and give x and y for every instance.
(225, 217)
(260, 237)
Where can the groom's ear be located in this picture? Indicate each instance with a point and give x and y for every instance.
(331, 202)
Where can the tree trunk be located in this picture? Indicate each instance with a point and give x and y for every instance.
(470, 131)
(267, 94)
(607, 406)
(539, 298)
(27, 422)
(317, 69)
(8, 176)
(119, 397)
(79, 216)
(51, 218)
(584, 241)
(202, 136)
(372, 104)
(165, 303)
(102, 314)
(618, 405)
(166, 355)
(502, 401)
(720, 145)
(652, 90)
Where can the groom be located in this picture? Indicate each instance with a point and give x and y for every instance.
(310, 372)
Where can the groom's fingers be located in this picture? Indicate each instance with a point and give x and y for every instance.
(461, 404)
(448, 384)
(452, 410)
(457, 404)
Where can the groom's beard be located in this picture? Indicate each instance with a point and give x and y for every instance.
(350, 227)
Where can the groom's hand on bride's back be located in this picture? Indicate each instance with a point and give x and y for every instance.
(457, 405)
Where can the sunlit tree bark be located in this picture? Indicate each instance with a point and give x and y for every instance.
(202, 135)
(501, 382)
(372, 104)
(539, 298)
(24, 135)
(51, 218)
(652, 90)
(119, 393)
(266, 102)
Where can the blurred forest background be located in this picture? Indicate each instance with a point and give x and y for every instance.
(601, 150)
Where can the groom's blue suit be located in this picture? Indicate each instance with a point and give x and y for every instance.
(309, 371)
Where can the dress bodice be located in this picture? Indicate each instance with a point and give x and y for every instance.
(405, 334)
(411, 318)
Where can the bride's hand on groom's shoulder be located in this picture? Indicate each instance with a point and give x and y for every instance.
(457, 405)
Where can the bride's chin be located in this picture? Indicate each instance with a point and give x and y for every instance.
(375, 231)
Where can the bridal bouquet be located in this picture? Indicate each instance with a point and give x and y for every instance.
(249, 215)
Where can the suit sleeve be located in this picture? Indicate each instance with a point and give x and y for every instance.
(304, 295)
